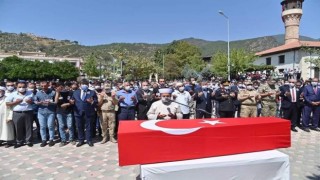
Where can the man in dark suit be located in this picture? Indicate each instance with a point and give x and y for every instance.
(301, 102)
(312, 104)
(203, 97)
(85, 101)
(290, 103)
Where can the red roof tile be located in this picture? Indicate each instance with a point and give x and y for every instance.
(286, 47)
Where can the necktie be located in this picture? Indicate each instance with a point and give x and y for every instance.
(315, 90)
(293, 95)
(83, 95)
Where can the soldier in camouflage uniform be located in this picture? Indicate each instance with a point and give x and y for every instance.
(269, 93)
(248, 98)
(107, 103)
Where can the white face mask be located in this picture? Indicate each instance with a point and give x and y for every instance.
(127, 88)
(10, 88)
(314, 84)
(181, 89)
(226, 87)
(250, 87)
(165, 99)
(22, 90)
(292, 84)
(145, 87)
(204, 87)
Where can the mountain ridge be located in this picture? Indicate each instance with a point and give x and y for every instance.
(11, 42)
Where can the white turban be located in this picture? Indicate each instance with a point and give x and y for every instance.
(165, 91)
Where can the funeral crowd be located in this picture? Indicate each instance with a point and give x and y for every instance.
(78, 112)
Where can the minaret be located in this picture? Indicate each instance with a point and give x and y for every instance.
(291, 15)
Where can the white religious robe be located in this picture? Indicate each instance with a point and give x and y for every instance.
(159, 107)
(6, 127)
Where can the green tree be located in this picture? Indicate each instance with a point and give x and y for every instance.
(176, 56)
(137, 67)
(314, 56)
(90, 66)
(65, 70)
(14, 68)
(240, 61)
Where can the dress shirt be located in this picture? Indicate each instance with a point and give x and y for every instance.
(23, 106)
(127, 102)
(183, 98)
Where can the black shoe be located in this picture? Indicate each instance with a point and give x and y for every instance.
(7, 145)
(90, 144)
(294, 129)
(305, 129)
(30, 144)
(17, 146)
(43, 144)
(51, 143)
(63, 143)
(80, 144)
(315, 129)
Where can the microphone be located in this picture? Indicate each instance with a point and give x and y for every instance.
(197, 109)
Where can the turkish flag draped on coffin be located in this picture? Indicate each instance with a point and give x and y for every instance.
(154, 141)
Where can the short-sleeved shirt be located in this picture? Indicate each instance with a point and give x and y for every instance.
(127, 102)
(46, 96)
(23, 106)
(64, 97)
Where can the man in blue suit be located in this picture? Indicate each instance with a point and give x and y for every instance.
(85, 101)
(203, 97)
(312, 104)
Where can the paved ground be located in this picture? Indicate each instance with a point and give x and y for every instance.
(101, 161)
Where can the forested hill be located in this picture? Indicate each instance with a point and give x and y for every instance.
(10, 42)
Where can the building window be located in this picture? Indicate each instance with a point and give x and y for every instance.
(268, 61)
(281, 59)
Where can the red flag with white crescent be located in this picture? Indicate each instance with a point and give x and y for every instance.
(154, 141)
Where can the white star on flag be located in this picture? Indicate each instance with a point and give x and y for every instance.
(212, 122)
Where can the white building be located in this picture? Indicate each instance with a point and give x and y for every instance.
(291, 55)
(40, 56)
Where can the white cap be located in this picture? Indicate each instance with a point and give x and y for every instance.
(179, 84)
(165, 91)
(3, 88)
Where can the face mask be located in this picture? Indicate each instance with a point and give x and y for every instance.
(10, 88)
(145, 88)
(204, 87)
(84, 87)
(181, 89)
(256, 87)
(226, 87)
(286, 84)
(127, 88)
(30, 89)
(193, 82)
(165, 99)
(250, 87)
(291, 84)
(22, 90)
(314, 84)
